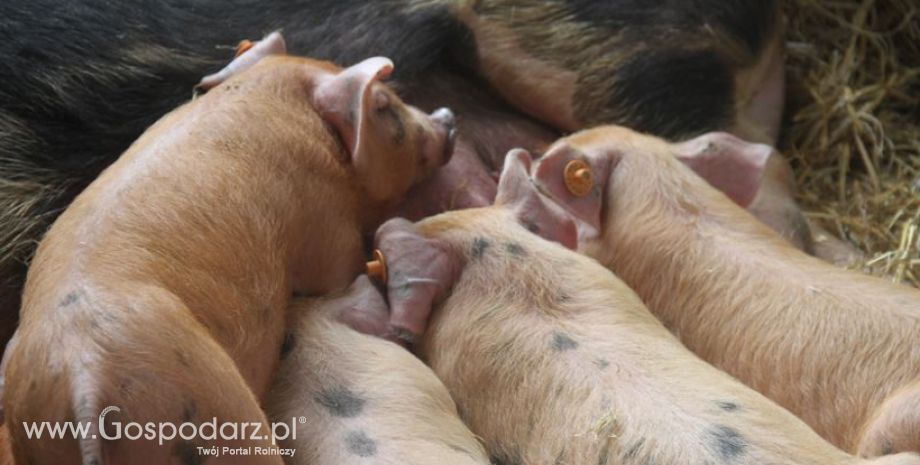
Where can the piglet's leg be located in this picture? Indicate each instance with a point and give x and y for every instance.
(6, 454)
(186, 378)
(160, 366)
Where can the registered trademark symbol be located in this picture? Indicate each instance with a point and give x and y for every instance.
(303, 420)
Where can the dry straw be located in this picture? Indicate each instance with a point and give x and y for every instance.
(853, 127)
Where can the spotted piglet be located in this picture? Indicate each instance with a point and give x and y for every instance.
(836, 347)
(163, 290)
(365, 400)
(554, 360)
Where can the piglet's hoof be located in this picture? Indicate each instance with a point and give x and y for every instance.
(578, 178)
(377, 268)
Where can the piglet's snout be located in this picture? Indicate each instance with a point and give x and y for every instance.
(444, 137)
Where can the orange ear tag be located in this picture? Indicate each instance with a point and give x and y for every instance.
(377, 268)
(243, 46)
(578, 178)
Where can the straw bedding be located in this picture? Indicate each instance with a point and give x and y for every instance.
(852, 126)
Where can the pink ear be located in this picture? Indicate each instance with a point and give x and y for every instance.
(272, 44)
(420, 272)
(363, 308)
(534, 210)
(550, 178)
(728, 163)
(346, 98)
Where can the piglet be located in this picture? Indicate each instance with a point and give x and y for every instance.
(677, 71)
(365, 400)
(164, 288)
(553, 360)
(837, 348)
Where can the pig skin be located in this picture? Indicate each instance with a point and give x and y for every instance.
(163, 289)
(365, 399)
(552, 359)
(835, 347)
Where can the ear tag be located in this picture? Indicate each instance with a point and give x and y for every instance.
(578, 178)
(243, 47)
(377, 268)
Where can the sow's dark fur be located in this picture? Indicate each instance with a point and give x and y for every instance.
(81, 79)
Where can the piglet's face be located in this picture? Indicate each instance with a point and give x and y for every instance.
(392, 145)
(649, 166)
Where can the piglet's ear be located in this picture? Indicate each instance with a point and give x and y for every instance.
(535, 211)
(420, 273)
(582, 195)
(728, 163)
(272, 44)
(345, 100)
(363, 308)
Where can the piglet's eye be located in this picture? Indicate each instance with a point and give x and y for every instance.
(381, 101)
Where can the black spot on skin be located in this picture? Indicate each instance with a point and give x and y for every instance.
(515, 249)
(887, 448)
(360, 444)
(341, 402)
(562, 342)
(602, 363)
(480, 245)
(287, 346)
(70, 299)
(728, 406)
(189, 411)
(727, 442)
(187, 453)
